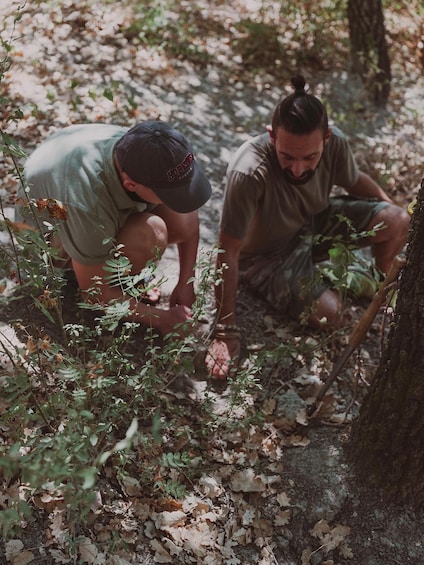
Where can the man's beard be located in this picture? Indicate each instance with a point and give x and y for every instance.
(306, 175)
(303, 179)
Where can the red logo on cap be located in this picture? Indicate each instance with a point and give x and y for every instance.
(180, 170)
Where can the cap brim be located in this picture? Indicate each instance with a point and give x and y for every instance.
(189, 197)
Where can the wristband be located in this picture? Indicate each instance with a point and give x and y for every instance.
(223, 331)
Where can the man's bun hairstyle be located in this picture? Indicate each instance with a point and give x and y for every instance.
(300, 113)
(298, 83)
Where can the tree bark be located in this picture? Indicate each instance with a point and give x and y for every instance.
(387, 440)
(369, 52)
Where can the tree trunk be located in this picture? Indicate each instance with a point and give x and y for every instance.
(370, 57)
(387, 441)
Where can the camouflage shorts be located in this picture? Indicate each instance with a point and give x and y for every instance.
(287, 280)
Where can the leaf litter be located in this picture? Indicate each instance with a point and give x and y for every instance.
(254, 504)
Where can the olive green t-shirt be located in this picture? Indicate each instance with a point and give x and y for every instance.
(75, 166)
(262, 208)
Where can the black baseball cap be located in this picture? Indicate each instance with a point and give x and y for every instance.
(159, 157)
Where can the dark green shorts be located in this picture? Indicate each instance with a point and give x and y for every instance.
(287, 281)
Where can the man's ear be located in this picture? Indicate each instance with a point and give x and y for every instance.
(271, 133)
(327, 136)
(128, 183)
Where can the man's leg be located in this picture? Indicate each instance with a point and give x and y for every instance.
(364, 216)
(390, 241)
(144, 237)
(289, 284)
(327, 311)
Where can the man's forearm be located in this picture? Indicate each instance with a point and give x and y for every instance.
(366, 187)
(187, 253)
(226, 292)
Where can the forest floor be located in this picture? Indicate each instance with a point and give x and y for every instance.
(81, 62)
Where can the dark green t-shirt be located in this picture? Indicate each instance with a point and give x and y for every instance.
(265, 210)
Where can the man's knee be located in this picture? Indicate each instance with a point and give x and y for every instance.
(395, 225)
(156, 232)
(327, 311)
(144, 237)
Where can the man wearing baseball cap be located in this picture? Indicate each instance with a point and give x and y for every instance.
(137, 190)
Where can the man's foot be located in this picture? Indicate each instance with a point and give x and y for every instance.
(223, 356)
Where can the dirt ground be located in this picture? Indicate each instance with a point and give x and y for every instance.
(334, 519)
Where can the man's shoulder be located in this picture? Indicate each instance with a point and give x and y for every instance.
(85, 133)
(251, 155)
(71, 146)
(337, 137)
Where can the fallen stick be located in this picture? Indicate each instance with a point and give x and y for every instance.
(359, 332)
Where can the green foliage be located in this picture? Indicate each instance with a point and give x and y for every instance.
(259, 44)
(301, 33)
(156, 24)
(346, 270)
(86, 396)
(98, 395)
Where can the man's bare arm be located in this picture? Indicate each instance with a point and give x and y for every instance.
(225, 347)
(366, 187)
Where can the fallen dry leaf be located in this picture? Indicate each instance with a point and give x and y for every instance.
(23, 558)
(13, 547)
(248, 481)
(283, 499)
(167, 519)
(282, 518)
(89, 553)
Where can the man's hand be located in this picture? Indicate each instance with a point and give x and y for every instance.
(167, 320)
(222, 356)
(183, 294)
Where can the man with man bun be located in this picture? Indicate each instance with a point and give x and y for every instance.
(277, 199)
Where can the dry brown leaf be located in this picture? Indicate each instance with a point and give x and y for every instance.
(210, 486)
(283, 499)
(302, 418)
(173, 519)
(282, 518)
(306, 556)
(59, 556)
(172, 547)
(23, 558)
(58, 530)
(130, 486)
(89, 553)
(49, 502)
(248, 481)
(270, 448)
(12, 547)
(116, 560)
(268, 406)
(262, 527)
(243, 536)
(168, 504)
(330, 538)
(195, 505)
(320, 529)
(200, 539)
(162, 555)
(345, 550)
(296, 441)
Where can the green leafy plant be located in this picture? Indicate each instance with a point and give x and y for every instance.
(346, 269)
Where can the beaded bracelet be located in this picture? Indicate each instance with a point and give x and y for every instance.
(223, 331)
